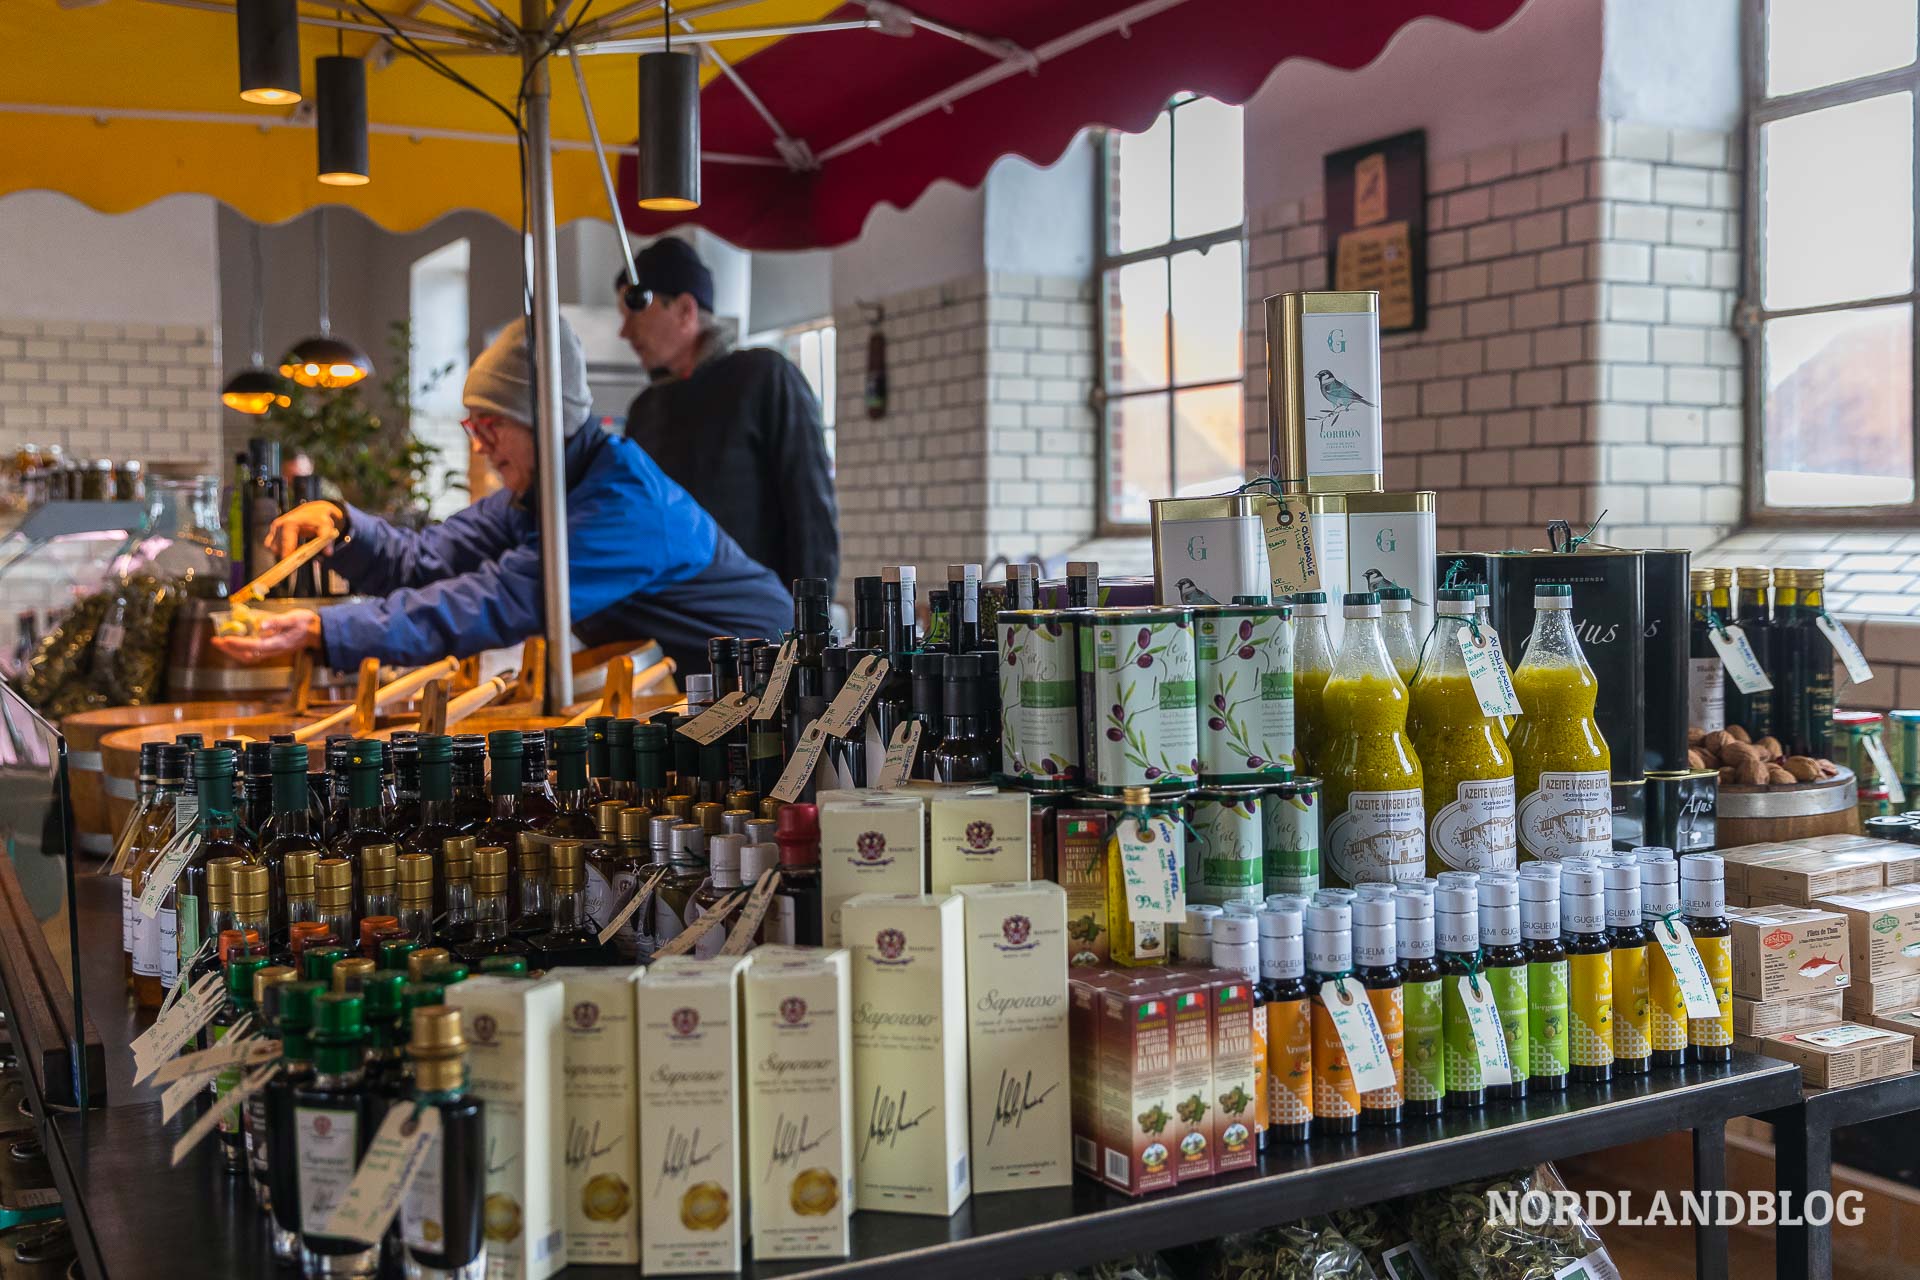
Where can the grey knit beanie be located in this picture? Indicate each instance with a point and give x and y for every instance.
(501, 380)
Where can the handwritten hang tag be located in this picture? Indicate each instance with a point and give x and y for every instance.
(179, 989)
(1487, 669)
(172, 861)
(1689, 970)
(683, 941)
(776, 684)
(720, 719)
(806, 754)
(740, 941)
(641, 893)
(398, 1152)
(1843, 644)
(169, 1034)
(850, 704)
(233, 1050)
(224, 1107)
(1483, 1020)
(1360, 1034)
(1153, 860)
(178, 1094)
(1293, 561)
(1883, 766)
(901, 750)
(1742, 664)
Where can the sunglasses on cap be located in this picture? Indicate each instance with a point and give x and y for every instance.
(636, 298)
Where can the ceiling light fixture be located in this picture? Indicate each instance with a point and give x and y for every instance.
(340, 120)
(268, 32)
(668, 172)
(324, 360)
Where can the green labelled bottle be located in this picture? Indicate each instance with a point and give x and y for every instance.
(1703, 897)
(1506, 970)
(1312, 666)
(1583, 928)
(1376, 963)
(1548, 1053)
(1632, 990)
(1424, 1043)
(1456, 927)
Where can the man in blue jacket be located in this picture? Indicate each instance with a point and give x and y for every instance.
(644, 560)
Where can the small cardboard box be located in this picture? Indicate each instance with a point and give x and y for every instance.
(1735, 863)
(603, 1116)
(980, 836)
(1190, 991)
(1906, 1022)
(1865, 999)
(1771, 1017)
(869, 843)
(1800, 879)
(1080, 864)
(1899, 862)
(1136, 1084)
(1846, 1053)
(1783, 952)
(1883, 927)
(1239, 1098)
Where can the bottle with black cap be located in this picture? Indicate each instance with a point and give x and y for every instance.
(263, 502)
(1505, 962)
(766, 736)
(537, 804)
(339, 749)
(900, 589)
(1422, 1002)
(471, 804)
(1329, 950)
(1548, 1056)
(256, 808)
(442, 1217)
(1376, 965)
(1023, 586)
(967, 750)
(928, 706)
(939, 620)
(1083, 584)
(963, 606)
(1583, 923)
(1287, 1012)
(869, 614)
(333, 1127)
(1456, 929)
(1703, 897)
(848, 755)
(404, 751)
(1632, 989)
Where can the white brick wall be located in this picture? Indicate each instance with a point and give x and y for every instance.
(1577, 356)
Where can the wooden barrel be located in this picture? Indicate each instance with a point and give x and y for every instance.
(99, 808)
(1756, 815)
(195, 669)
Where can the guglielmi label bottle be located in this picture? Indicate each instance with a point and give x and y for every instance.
(1703, 897)
(1548, 1050)
(1423, 1041)
(1289, 1017)
(1632, 989)
(1583, 925)
(1329, 954)
(1506, 969)
(1376, 965)
(1666, 1002)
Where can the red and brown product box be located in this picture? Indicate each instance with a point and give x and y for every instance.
(1239, 1072)
(1798, 880)
(1863, 1000)
(1771, 1017)
(1191, 992)
(1136, 1086)
(1781, 953)
(1040, 851)
(1883, 930)
(1846, 1053)
(1083, 1060)
(1080, 867)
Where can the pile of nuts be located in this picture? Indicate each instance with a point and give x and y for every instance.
(1754, 764)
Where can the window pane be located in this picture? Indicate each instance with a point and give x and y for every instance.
(1207, 167)
(1137, 326)
(1139, 167)
(1207, 314)
(1138, 468)
(1816, 42)
(1209, 447)
(1837, 217)
(1839, 408)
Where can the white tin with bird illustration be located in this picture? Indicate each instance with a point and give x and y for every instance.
(1209, 550)
(1323, 390)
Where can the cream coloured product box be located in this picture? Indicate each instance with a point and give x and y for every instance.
(691, 1199)
(1883, 930)
(1865, 999)
(1780, 953)
(909, 1052)
(797, 1007)
(1771, 1017)
(1845, 1053)
(602, 1135)
(1022, 1113)
(980, 836)
(873, 843)
(516, 1062)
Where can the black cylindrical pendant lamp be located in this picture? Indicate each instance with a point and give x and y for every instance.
(340, 120)
(269, 37)
(669, 164)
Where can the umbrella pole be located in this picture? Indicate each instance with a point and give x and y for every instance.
(550, 431)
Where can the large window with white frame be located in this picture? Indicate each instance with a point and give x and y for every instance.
(1172, 275)
(1831, 261)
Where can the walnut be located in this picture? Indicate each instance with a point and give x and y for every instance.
(1770, 748)
(1778, 777)
(1801, 768)
(1752, 771)
(1716, 740)
(1828, 769)
(1729, 776)
(1738, 734)
(1695, 760)
(1694, 734)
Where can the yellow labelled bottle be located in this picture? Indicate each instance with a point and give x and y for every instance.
(1136, 941)
(1465, 766)
(1376, 963)
(1632, 979)
(1562, 768)
(1370, 776)
(1583, 927)
(1547, 1048)
(1666, 1003)
(1703, 899)
(1287, 1006)
(1396, 629)
(1504, 961)
(1329, 957)
(1456, 927)
(1312, 665)
(1423, 1051)
(1236, 946)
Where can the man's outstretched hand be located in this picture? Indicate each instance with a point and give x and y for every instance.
(280, 634)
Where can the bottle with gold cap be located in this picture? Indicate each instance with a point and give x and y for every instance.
(505, 824)
(442, 1216)
(267, 982)
(438, 822)
(379, 880)
(490, 936)
(414, 907)
(299, 887)
(333, 1127)
(456, 870)
(574, 938)
(183, 912)
(294, 1021)
(608, 861)
(1139, 942)
(1706, 674)
(333, 897)
(425, 959)
(1793, 638)
(1752, 711)
(530, 889)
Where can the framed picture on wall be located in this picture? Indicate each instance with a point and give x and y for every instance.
(1377, 225)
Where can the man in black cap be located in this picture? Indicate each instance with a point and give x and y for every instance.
(739, 430)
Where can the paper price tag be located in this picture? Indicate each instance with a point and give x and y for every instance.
(683, 941)
(226, 1106)
(399, 1150)
(1595, 1266)
(179, 1094)
(1689, 970)
(641, 894)
(1843, 644)
(1741, 662)
(856, 695)
(901, 750)
(179, 989)
(237, 1046)
(1487, 668)
(1883, 765)
(1293, 561)
(1151, 854)
(720, 719)
(1489, 1042)
(1359, 1033)
(776, 684)
(169, 1033)
(740, 941)
(793, 778)
(172, 861)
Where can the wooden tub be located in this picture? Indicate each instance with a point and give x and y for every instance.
(1758, 815)
(99, 807)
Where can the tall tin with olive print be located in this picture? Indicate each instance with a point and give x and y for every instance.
(1243, 659)
(1139, 720)
(1290, 836)
(1227, 850)
(1039, 700)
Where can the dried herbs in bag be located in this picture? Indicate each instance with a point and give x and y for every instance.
(1132, 1266)
(1456, 1232)
(58, 681)
(1310, 1249)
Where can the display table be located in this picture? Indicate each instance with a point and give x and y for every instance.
(1803, 1158)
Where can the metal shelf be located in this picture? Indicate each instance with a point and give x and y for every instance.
(1803, 1158)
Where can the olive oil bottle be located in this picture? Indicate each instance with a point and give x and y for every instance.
(1506, 970)
(1583, 925)
(1329, 954)
(1288, 1007)
(1752, 711)
(1548, 1054)
(442, 1218)
(1667, 1004)
(1632, 990)
(1424, 1044)
(1703, 897)
(1135, 941)
(1376, 965)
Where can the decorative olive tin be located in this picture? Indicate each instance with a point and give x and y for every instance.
(1225, 860)
(1039, 699)
(1243, 660)
(1138, 717)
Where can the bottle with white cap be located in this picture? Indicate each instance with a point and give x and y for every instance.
(1632, 993)
(1370, 779)
(755, 861)
(1583, 925)
(1703, 897)
(1329, 954)
(1195, 939)
(1376, 963)
(1456, 929)
(1667, 1004)
(1467, 769)
(1423, 1042)
(1506, 968)
(1286, 1003)
(1547, 1052)
(1312, 665)
(1562, 767)
(1236, 946)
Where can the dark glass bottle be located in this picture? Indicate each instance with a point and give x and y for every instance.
(403, 755)
(1583, 927)
(1706, 675)
(572, 817)
(1023, 587)
(1286, 1004)
(1789, 664)
(621, 784)
(869, 614)
(442, 1217)
(1547, 1040)
(650, 763)
(267, 984)
(456, 873)
(766, 738)
(939, 620)
(600, 757)
(901, 583)
(967, 750)
(339, 752)
(537, 802)
(263, 502)
(310, 579)
(436, 821)
(1703, 897)
(1505, 966)
(386, 1036)
(795, 916)
(471, 804)
(1083, 584)
(366, 823)
(334, 1120)
(490, 936)
(256, 809)
(296, 1001)
(686, 752)
(1376, 963)
(240, 972)
(1329, 953)
(289, 829)
(1752, 711)
(1422, 1003)
(1819, 665)
(574, 939)
(506, 824)
(928, 706)
(187, 900)
(963, 606)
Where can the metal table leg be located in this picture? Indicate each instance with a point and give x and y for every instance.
(1709, 1176)
(1802, 1163)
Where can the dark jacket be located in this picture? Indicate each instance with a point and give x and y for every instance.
(643, 562)
(742, 434)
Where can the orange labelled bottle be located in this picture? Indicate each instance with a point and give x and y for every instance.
(1288, 1010)
(1376, 965)
(1329, 955)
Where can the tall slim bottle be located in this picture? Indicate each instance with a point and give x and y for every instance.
(1422, 1000)
(1371, 784)
(174, 806)
(403, 756)
(1562, 768)
(1456, 928)
(1667, 1004)
(1583, 925)
(1376, 963)
(622, 785)
(963, 602)
(184, 910)
(506, 825)
(1819, 665)
(1548, 1052)
(1329, 953)
(1505, 963)
(295, 1024)
(1632, 978)
(442, 1218)
(1789, 665)
(1465, 765)
(537, 803)
(1753, 711)
(1136, 942)
(365, 823)
(1312, 666)
(333, 1127)
(126, 848)
(438, 822)
(1703, 897)
(1288, 1006)
(1706, 674)
(471, 805)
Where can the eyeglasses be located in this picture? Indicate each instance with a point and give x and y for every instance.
(482, 429)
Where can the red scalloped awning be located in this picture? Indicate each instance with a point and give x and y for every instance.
(826, 89)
